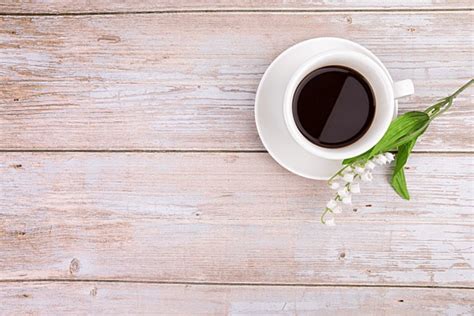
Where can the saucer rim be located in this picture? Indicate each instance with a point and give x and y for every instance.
(270, 67)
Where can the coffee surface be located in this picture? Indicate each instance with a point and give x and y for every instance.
(333, 106)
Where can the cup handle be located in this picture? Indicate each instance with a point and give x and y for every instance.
(403, 88)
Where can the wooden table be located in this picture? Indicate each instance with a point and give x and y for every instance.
(133, 179)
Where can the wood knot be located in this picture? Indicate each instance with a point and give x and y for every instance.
(348, 19)
(231, 158)
(342, 255)
(74, 266)
(20, 233)
(109, 38)
(93, 292)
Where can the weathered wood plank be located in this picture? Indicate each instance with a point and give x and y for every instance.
(69, 6)
(130, 298)
(220, 217)
(188, 81)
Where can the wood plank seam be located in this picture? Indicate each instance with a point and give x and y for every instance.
(341, 285)
(203, 151)
(200, 11)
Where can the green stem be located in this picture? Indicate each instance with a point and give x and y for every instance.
(442, 106)
(324, 214)
(441, 110)
(435, 107)
(458, 91)
(339, 172)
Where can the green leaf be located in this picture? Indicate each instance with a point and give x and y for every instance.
(402, 130)
(356, 158)
(398, 178)
(402, 155)
(399, 184)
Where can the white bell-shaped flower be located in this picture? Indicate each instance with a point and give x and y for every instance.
(390, 157)
(348, 177)
(331, 204)
(347, 170)
(330, 222)
(366, 176)
(380, 159)
(337, 210)
(354, 188)
(334, 185)
(343, 192)
(347, 200)
(370, 165)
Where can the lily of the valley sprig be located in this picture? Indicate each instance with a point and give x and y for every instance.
(347, 182)
(401, 136)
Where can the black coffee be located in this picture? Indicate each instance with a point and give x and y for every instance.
(333, 106)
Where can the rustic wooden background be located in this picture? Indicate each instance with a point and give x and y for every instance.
(133, 179)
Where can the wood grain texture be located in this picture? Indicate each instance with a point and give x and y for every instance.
(233, 218)
(84, 6)
(188, 81)
(92, 298)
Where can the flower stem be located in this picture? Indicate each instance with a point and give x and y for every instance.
(327, 210)
(444, 104)
(338, 173)
(458, 91)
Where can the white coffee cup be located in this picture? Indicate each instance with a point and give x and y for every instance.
(385, 92)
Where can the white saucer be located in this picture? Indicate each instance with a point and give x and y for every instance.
(269, 108)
